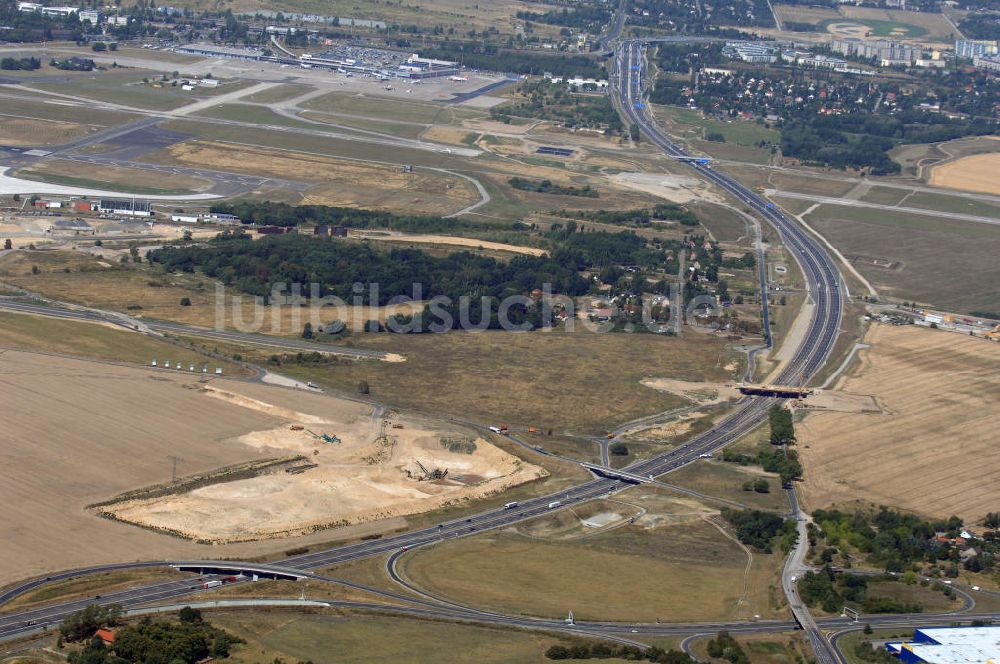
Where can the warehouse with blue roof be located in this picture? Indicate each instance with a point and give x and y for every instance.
(950, 645)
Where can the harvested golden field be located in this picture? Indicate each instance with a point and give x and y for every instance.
(339, 181)
(79, 432)
(933, 449)
(76, 432)
(61, 171)
(15, 130)
(974, 173)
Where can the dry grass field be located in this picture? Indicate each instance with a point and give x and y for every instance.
(403, 130)
(82, 279)
(913, 257)
(139, 180)
(579, 382)
(19, 131)
(387, 110)
(801, 14)
(676, 565)
(460, 14)
(725, 480)
(40, 110)
(374, 639)
(973, 173)
(932, 451)
(339, 181)
(53, 335)
(780, 648)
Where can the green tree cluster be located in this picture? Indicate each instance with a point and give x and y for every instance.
(724, 646)
(782, 429)
(83, 623)
(758, 528)
(549, 187)
(187, 641)
(601, 650)
(253, 266)
(20, 64)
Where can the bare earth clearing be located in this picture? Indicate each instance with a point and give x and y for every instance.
(676, 188)
(450, 240)
(932, 451)
(700, 393)
(78, 432)
(358, 480)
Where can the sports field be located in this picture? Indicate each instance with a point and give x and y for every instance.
(938, 391)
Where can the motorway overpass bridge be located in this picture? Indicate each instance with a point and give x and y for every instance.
(778, 391)
(616, 474)
(251, 570)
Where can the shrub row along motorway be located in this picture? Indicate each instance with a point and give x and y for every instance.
(824, 287)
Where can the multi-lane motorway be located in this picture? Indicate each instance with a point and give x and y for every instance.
(822, 282)
(824, 287)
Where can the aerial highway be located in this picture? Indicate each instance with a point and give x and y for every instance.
(823, 284)
(824, 288)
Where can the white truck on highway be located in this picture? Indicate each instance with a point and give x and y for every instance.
(510, 505)
(554, 503)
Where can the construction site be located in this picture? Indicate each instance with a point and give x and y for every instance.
(359, 466)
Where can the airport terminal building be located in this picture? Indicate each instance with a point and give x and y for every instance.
(950, 645)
